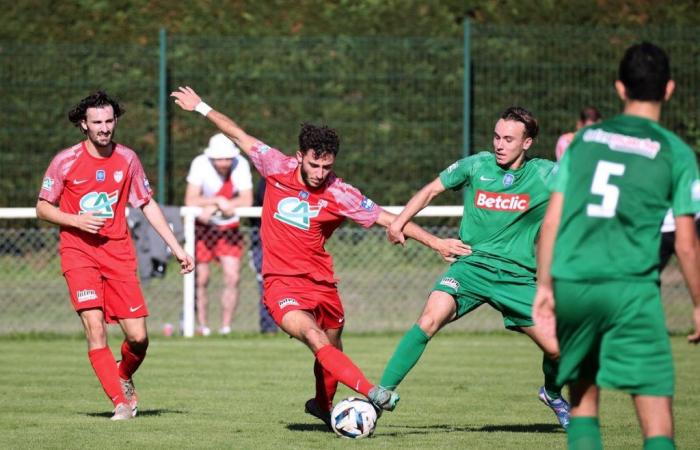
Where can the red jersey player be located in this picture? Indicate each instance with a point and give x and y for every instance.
(304, 203)
(85, 192)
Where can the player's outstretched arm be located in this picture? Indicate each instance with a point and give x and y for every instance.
(51, 213)
(543, 304)
(421, 199)
(155, 217)
(187, 99)
(688, 254)
(449, 249)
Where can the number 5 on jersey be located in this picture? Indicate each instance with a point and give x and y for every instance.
(601, 186)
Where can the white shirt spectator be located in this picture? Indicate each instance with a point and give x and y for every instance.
(202, 173)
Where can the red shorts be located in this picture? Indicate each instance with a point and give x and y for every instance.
(118, 299)
(213, 241)
(284, 294)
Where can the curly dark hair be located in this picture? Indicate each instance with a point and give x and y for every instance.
(320, 139)
(522, 115)
(96, 100)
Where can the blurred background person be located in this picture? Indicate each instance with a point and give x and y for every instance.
(219, 181)
(267, 323)
(588, 116)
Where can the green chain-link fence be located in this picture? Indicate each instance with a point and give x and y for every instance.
(397, 103)
(555, 71)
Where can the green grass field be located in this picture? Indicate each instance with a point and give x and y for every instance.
(469, 391)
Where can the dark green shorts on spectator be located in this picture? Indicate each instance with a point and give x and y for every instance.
(613, 332)
(472, 285)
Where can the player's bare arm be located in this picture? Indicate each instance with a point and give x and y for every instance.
(448, 249)
(421, 199)
(85, 222)
(543, 305)
(155, 217)
(689, 259)
(187, 99)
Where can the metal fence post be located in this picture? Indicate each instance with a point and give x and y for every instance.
(162, 115)
(466, 96)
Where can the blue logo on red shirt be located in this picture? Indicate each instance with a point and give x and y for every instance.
(100, 175)
(367, 203)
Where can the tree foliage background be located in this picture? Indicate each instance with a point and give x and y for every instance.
(388, 74)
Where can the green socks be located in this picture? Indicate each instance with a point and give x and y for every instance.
(406, 355)
(550, 369)
(659, 443)
(583, 433)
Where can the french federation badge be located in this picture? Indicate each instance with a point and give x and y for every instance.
(100, 175)
(508, 179)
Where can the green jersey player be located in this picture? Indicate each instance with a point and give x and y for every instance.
(506, 198)
(599, 245)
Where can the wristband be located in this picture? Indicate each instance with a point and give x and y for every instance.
(203, 108)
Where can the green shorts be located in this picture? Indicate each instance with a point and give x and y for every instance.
(472, 285)
(613, 332)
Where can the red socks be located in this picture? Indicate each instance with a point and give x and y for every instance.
(343, 369)
(105, 368)
(326, 385)
(131, 360)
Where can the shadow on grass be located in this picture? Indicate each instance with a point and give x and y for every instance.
(142, 413)
(430, 429)
(505, 428)
(308, 427)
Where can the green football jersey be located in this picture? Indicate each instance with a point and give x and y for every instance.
(619, 178)
(503, 209)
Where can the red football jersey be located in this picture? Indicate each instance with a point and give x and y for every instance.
(297, 220)
(82, 183)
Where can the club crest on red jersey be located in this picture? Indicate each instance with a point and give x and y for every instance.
(498, 201)
(297, 213)
(100, 175)
(118, 176)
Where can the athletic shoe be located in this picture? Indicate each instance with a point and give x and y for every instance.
(558, 405)
(224, 331)
(130, 394)
(382, 398)
(122, 412)
(203, 331)
(311, 407)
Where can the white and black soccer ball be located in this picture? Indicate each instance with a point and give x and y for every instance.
(354, 418)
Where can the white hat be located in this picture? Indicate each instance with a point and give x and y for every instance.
(221, 146)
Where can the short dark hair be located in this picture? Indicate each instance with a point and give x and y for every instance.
(590, 114)
(525, 117)
(319, 138)
(645, 70)
(95, 100)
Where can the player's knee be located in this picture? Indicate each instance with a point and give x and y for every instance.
(315, 338)
(139, 344)
(553, 355)
(96, 334)
(429, 324)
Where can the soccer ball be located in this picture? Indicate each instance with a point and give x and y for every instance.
(354, 418)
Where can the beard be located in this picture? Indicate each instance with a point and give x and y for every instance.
(307, 181)
(101, 140)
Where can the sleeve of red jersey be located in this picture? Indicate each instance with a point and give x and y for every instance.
(52, 185)
(270, 161)
(140, 190)
(353, 205)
